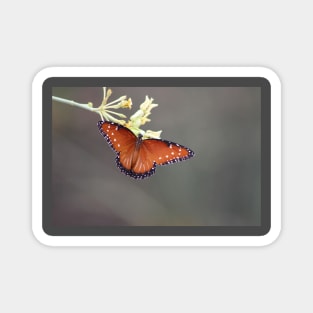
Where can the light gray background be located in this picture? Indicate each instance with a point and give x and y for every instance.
(40, 279)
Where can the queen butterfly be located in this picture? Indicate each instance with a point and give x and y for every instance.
(139, 157)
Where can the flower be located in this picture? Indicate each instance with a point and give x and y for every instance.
(152, 134)
(139, 118)
(105, 109)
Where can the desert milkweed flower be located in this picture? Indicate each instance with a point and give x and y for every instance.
(152, 134)
(105, 109)
(140, 117)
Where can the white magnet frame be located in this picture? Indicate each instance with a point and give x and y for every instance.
(266, 73)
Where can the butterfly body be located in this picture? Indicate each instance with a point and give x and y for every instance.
(138, 157)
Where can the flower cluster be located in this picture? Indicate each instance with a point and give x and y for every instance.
(105, 109)
(139, 118)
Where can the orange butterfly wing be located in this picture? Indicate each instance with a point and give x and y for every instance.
(121, 140)
(165, 152)
(138, 158)
(118, 137)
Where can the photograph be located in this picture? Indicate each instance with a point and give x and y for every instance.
(156, 156)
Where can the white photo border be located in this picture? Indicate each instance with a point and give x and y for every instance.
(37, 123)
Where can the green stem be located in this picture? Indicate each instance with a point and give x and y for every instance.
(85, 106)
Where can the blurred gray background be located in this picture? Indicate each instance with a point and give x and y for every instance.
(219, 186)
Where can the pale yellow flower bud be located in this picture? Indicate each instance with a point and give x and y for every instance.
(152, 134)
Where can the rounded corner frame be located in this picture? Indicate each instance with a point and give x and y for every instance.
(263, 72)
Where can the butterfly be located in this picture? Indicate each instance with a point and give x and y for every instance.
(138, 157)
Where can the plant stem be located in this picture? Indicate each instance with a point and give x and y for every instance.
(86, 106)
